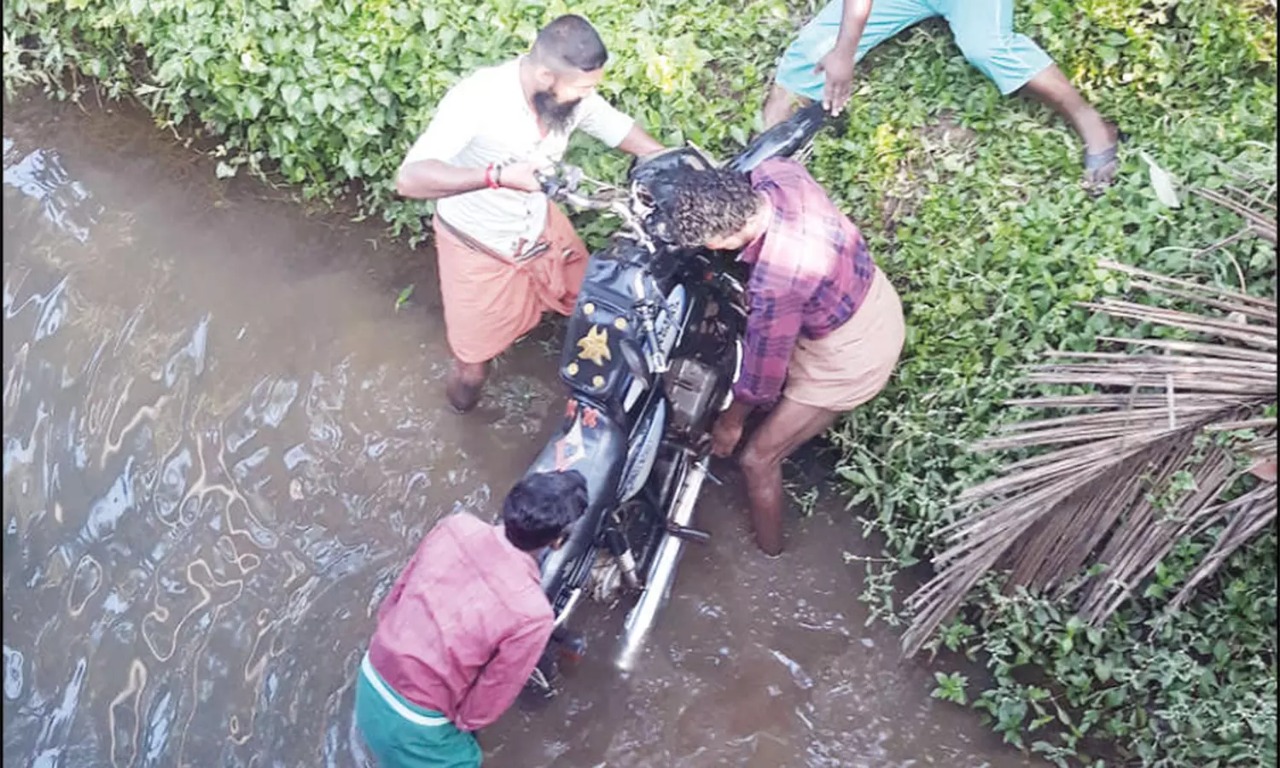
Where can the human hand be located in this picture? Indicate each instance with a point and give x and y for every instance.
(522, 176)
(725, 436)
(838, 68)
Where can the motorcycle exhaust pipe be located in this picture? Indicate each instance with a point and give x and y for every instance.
(661, 575)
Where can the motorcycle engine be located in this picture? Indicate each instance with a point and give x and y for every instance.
(691, 392)
(606, 578)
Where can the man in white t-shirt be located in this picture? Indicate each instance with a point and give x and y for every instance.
(506, 254)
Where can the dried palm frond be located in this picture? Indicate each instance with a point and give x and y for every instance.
(1247, 206)
(1137, 464)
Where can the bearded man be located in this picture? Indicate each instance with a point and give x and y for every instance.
(506, 253)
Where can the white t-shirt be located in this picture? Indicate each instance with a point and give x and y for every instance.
(485, 119)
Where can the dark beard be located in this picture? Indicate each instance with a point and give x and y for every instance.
(554, 114)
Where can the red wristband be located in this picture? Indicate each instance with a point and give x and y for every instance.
(488, 177)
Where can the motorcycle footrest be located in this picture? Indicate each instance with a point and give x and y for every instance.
(570, 644)
(685, 533)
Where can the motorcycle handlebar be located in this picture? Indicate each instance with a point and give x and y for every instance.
(582, 201)
(560, 180)
(561, 184)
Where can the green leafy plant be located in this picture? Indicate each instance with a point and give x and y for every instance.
(403, 297)
(951, 687)
(969, 202)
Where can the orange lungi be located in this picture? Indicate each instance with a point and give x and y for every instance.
(491, 300)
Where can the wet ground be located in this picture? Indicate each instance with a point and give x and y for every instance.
(221, 442)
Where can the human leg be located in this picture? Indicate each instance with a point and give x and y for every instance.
(488, 304)
(825, 378)
(983, 31)
(558, 274)
(465, 383)
(796, 80)
(785, 429)
(1101, 138)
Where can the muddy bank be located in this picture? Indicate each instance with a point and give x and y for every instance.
(222, 441)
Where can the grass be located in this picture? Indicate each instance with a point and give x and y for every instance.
(971, 205)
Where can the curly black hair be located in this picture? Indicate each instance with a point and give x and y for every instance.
(710, 203)
(541, 506)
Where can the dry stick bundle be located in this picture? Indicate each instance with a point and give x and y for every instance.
(1109, 490)
(1259, 215)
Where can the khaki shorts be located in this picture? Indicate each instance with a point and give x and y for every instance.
(850, 365)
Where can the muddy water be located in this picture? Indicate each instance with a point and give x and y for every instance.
(221, 442)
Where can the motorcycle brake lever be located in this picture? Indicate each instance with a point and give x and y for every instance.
(552, 184)
(562, 178)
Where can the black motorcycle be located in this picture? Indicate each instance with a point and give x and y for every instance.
(651, 354)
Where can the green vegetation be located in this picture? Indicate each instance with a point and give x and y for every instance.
(970, 202)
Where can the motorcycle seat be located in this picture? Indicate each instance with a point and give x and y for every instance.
(596, 446)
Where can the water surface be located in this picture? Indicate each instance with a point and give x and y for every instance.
(221, 443)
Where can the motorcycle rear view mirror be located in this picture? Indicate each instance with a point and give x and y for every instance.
(634, 358)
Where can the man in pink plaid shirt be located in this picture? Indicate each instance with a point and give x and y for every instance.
(825, 326)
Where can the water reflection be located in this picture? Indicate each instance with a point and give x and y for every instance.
(217, 461)
(185, 510)
(64, 201)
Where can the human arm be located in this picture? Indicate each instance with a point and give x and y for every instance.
(639, 143)
(773, 327)
(427, 172)
(727, 432)
(615, 129)
(434, 179)
(837, 65)
(501, 680)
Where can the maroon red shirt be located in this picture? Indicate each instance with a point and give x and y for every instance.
(463, 626)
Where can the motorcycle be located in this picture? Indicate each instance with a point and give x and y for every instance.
(652, 350)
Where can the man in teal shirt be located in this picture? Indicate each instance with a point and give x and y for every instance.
(819, 64)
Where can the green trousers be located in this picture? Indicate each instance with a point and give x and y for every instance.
(401, 734)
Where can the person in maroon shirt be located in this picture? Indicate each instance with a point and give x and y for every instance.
(462, 628)
(824, 325)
